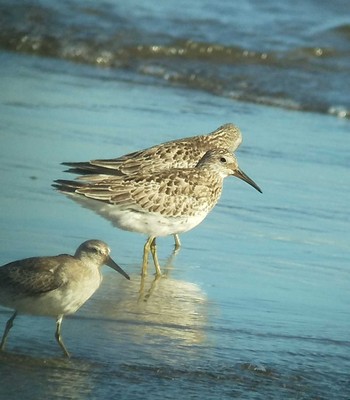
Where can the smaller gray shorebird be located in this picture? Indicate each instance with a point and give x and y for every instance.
(159, 203)
(180, 153)
(54, 286)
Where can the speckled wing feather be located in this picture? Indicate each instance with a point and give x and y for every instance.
(157, 158)
(177, 154)
(32, 276)
(180, 153)
(172, 193)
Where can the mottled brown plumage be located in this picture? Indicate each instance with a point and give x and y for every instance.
(180, 153)
(159, 203)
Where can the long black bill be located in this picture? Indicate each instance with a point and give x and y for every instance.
(116, 267)
(241, 175)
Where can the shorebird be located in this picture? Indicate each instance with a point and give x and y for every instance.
(181, 153)
(158, 203)
(54, 286)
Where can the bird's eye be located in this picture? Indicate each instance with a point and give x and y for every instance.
(223, 159)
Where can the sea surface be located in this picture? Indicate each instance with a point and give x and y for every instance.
(256, 304)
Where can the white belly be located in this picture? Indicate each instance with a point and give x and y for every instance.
(151, 224)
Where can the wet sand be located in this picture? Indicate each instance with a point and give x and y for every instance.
(256, 302)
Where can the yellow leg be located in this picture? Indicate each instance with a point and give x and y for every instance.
(177, 241)
(146, 250)
(155, 257)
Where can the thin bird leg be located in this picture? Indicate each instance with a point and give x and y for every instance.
(155, 257)
(58, 336)
(146, 250)
(9, 325)
(177, 242)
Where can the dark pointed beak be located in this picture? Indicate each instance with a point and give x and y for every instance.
(241, 175)
(116, 267)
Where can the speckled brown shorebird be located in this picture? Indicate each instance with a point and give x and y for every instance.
(158, 203)
(181, 153)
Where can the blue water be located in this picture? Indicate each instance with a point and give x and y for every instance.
(256, 303)
(293, 55)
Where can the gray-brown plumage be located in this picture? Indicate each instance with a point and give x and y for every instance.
(53, 286)
(159, 203)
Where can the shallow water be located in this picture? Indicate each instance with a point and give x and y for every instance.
(256, 303)
(291, 55)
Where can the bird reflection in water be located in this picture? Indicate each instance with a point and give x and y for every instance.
(144, 294)
(151, 306)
